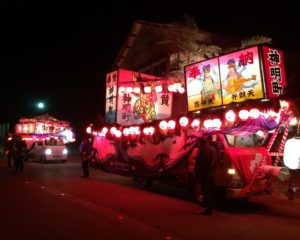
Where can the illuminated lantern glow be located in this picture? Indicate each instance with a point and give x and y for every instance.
(126, 132)
(101, 134)
(129, 89)
(272, 114)
(104, 130)
(113, 130)
(136, 90)
(181, 90)
(89, 130)
(291, 154)
(137, 130)
(171, 124)
(254, 113)
(95, 133)
(163, 125)
(195, 123)
(244, 115)
(230, 116)
(294, 121)
(147, 89)
(148, 130)
(177, 86)
(183, 121)
(208, 123)
(118, 133)
(158, 89)
(171, 88)
(216, 123)
(121, 90)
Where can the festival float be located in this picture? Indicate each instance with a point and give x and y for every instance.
(44, 126)
(235, 99)
(46, 137)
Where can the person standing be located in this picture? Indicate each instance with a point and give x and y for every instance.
(20, 151)
(87, 153)
(8, 149)
(204, 169)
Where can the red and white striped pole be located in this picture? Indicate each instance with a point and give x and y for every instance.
(285, 133)
(261, 162)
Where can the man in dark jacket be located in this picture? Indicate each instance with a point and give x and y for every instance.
(87, 152)
(20, 151)
(206, 160)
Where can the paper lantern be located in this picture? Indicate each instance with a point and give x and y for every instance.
(254, 113)
(195, 123)
(163, 125)
(158, 89)
(291, 155)
(230, 116)
(136, 90)
(183, 121)
(171, 124)
(244, 115)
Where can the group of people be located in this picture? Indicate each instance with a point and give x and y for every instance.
(206, 159)
(16, 151)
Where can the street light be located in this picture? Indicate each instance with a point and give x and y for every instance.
(41, 105)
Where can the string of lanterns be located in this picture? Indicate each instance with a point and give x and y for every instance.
(166, 127)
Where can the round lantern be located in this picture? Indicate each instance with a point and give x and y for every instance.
(230, 116)
(208, 123)
(291, 155)
(118, 133)
(171, 124)
(129, 89)
(244, 115)
(136, 90)
(195, 123)
(216, 123)
(126, 132)
(158, 88)
(121, 90)
(254, 113)
(163, 125)
(147, 89)
(183, 121)
(89, 130)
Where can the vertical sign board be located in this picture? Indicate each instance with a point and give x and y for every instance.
(274, 71)
(111, 97)
(241, 78)
(137, 107)
(203, 85)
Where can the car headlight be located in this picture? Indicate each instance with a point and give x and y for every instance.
(65, 151)
(48, 151)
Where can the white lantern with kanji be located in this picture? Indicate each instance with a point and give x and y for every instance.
(291, 155)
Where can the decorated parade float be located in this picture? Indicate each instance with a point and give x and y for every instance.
(46, 137)
(44, 126)
(235, 99)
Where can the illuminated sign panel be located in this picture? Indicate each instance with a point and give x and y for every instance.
(236, 77)
(203, 85)
(136, 98)
(274, 71)
(111, 97)
(240, 76)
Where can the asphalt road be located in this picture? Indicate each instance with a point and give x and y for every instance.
(51, 201)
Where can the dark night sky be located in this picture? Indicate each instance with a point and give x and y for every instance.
(59, 53)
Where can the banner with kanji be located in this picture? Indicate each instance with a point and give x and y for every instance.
(274, 71)
(203, 85)
(240, 76)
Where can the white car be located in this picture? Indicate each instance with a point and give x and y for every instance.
(50, 149)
